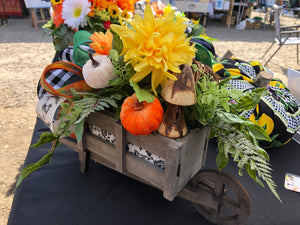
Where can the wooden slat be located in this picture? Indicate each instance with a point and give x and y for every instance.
(102, 161)
(82, 151)
(102, 121)
(199, 196)
(144, 170)
(42, 15)
(154, 143)
(205, 148)
(34, 18)
(72, 144)
(94, 156)
(98, 147)
(193, 154)
(120, 147)
(229, 14)
(227, 55)
(171, 179)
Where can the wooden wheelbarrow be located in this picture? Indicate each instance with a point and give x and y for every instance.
(219, 197)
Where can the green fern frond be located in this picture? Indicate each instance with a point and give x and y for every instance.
(246, 154)
(108, 100)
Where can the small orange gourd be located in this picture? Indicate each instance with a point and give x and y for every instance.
(141, 118)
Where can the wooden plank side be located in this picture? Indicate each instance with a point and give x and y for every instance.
(189, 153)
(120, 147)
(100, 148)
(102, 161)
(102, 121)
(72, 144)
(198, 196)
(143, 170)
(154, 143)
(193, 155)
(171, 178)
(82, 151)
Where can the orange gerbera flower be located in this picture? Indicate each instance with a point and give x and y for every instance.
(101, 42)
(57, 16)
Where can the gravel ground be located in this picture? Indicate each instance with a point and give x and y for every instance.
(24, 53)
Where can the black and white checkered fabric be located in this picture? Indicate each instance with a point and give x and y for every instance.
(67, 55)
(247, 69)
(58, 78)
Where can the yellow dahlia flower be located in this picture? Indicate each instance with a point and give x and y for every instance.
(156, 46)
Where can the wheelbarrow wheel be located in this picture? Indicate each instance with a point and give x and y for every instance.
(234, 203)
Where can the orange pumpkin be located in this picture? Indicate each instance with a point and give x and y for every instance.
(141, 118)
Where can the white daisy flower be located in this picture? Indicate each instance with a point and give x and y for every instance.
(74, 13)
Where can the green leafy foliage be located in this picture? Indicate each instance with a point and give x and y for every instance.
(74, 112)
(142, 94)
(237, 144)
(122, 70)
(198, 29)
(79, 128)
(114, 55)
(72, 115)
(49, 26)
(44, 138)
(249, 101)
(222, 159)
(35, 166)
(219, 106)
(117, 43)
(62, 37)
(95, 23)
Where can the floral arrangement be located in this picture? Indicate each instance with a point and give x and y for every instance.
(146, 70)
(69, 16)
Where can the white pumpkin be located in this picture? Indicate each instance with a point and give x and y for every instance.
(98, 71)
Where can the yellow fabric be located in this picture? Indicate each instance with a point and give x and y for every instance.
(217, 67)
(276, 84)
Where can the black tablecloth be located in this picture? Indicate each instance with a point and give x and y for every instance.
(59, 194)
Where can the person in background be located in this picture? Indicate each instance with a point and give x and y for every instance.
(247, 8)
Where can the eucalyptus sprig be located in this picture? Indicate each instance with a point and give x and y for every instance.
(219, 106)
